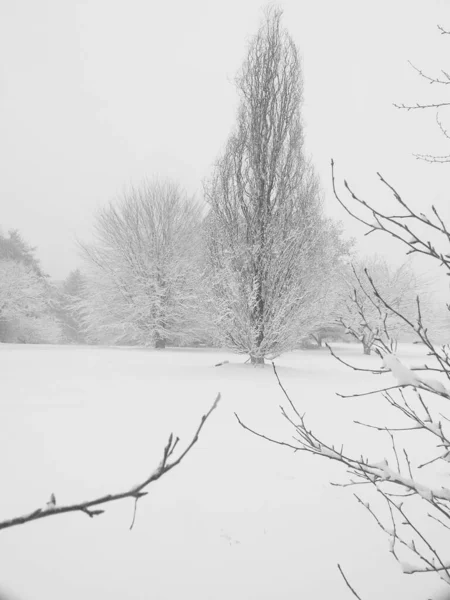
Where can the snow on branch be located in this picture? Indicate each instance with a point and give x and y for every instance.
(395, 225)
(395, 479)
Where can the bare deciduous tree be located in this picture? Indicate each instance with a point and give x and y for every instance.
(362, 313)
(269, 246)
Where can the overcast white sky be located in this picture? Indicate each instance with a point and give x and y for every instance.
(97, 94)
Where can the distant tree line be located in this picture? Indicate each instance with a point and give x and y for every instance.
(32, 308)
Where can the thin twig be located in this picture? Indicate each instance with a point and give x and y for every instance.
(134, 513)
(348, 584)
(393, 387)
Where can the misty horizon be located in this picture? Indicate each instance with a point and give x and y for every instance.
(93, 105)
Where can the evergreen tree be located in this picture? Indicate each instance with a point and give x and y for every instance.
(67, 309)
(13, 247)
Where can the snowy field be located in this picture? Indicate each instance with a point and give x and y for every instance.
(239, 519)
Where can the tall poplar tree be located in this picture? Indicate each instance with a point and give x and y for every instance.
(270, 248)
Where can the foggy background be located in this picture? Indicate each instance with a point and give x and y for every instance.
(97, 95)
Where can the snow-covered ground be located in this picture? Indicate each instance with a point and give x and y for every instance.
(239, 519)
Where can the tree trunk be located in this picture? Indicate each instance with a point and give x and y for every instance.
(258, 315)
(317, 339)
(368, 339)
(257, 360)
(160, 343)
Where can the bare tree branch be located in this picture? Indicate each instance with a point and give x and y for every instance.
(440, 80)
(136, 492)
(341, 360)
(429, 78)
(390, 482)
(421, 106)
(370, 393)
(433, 159)
(347, 583)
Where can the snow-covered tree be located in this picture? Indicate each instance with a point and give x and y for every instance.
(14, 247)
(325, 333)
(74, 284)
(21, 291)
(68, 299)
(143, 276)
(362, 312)
(25, 311)
(270, 249)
